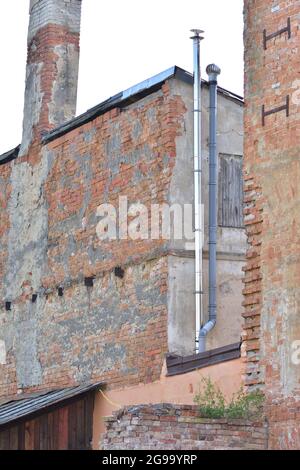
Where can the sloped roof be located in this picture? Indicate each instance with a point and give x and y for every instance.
(9, 156)
(123, 98)
(132, 95)
(23, 407)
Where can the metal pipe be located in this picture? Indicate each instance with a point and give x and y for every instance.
(198, 215)
(213, 71)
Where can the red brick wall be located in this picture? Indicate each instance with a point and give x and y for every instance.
(115, 331)
(129, 153)
(179, 427)
(272, 172)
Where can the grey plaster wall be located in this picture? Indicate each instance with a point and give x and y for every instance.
(26, 264)
(231, 241)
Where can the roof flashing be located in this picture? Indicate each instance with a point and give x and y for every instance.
(130, 95)
(10, 155)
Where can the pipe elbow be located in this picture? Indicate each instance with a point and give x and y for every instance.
(204, 332)
(207, 328)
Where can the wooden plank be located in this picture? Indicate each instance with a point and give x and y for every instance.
(89, 419)
(63, 428)
(43, 421)
(50, 432)
(14, 438)
(230, 191)
(80, 435)
(21, 436)
(37, 440)
(55, 429)
(69, 427)
(72, 422)
(29, 435)
(4, 440)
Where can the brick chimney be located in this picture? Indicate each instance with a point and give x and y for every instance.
(52, 67)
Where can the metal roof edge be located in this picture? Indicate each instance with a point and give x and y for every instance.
(177, 365)
(131, 95)
(10, 155)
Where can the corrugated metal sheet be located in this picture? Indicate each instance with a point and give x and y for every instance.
(18, 409)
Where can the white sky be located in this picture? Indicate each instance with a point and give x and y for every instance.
(122, 43)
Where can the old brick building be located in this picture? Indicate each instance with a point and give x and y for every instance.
(77, 310)
(78, 313)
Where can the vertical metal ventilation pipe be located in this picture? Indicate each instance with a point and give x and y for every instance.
(213, 71)
(198, 211)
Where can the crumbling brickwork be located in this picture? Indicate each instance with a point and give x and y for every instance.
(52, 67)
(179, 427)
(76, 308)
(272, 168)
(50, 242)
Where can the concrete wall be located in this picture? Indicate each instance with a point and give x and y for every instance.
(231, 241)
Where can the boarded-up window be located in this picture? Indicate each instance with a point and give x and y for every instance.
(231, 191)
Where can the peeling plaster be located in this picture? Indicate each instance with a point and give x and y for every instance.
(33, 104)
(2, 353)
(27, 238)
(62, 106)
(27, 251)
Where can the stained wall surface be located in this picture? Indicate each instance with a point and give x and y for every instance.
(272, 294)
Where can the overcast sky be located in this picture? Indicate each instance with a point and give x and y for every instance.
(122, 43)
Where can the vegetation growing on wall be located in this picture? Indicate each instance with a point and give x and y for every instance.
(213, 404)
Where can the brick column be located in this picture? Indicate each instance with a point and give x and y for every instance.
(272, 195)
(52, 67)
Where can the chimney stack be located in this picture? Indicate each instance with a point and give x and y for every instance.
(52, 67)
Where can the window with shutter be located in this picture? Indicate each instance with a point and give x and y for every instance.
(231, 191)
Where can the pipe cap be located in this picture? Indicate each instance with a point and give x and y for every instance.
(213, 68)
(213, 71)
(197, 34)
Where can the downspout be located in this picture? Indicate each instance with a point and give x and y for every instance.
(198, 216)
(213, 71)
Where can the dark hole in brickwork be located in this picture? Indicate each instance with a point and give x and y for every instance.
(8, 306)
(34, 298)
(119, 272)
(89, 281)
(60, 291)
